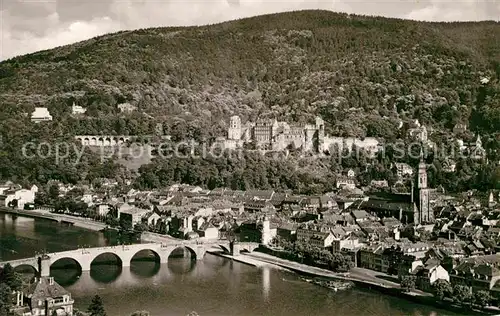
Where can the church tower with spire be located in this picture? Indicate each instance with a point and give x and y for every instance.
(425, 213)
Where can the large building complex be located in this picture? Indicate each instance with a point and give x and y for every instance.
(271, 134)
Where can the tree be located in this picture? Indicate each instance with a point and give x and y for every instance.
(482, 298)
(10, 277)
(395, 255)
(53, 192)
(140, 313)
(5, 299)
(96, 307)
(112, 221)
(442, 289)
(462, 294)
(141, 227)
(408, 283)
(340, 263)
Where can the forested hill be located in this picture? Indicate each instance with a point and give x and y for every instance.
(361, 74)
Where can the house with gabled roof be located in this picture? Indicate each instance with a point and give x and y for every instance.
(44, 296)
(481, 273)
(257, 206)
(263, 195)
(310, 203)
(207, 230)
(428, 273)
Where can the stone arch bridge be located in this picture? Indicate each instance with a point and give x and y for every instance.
(108, 141)
(85, 256)
(96, 140)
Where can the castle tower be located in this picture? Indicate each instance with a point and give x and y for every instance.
(234, 131)
(479, 143)
(320, 127)
(274, 129)
(309, 138)
(423, 134)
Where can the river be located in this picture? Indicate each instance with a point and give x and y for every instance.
(212, 286)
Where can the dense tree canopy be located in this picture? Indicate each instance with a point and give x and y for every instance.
(363, 75)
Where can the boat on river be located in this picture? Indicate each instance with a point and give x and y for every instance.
(336, 285)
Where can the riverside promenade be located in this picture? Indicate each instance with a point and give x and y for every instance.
(62, 218)
(364, 278)
(357, 275)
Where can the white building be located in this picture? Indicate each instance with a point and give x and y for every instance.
(134, 215)
(419, 133)
(403, 169)
(34, 188)
(126, 107)
(322, 240)
(208, 231)
(345, 183)
(40, 115)
(22, 196)
(152, 218)
(449, 166)
(351, 173)
(88, 199)
(76, 109)
(369, 144)
(102, 209)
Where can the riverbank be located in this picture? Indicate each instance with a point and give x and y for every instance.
(241, 259)
(363, 278)
(61, 218)
(249, 261)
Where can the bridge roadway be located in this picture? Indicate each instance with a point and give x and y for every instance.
(85, 256)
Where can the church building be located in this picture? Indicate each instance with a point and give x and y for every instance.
(408, 208)
(425, 214)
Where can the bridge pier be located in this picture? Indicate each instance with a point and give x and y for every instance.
(85, 265)
(126, 258)
(200, 252)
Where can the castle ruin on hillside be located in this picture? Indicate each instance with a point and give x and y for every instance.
(268, 134)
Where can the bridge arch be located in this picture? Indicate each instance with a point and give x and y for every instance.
(146, 262)
(25, 268)
(66, 270)
(93, 141)
(64, 262)
(144, 253)
(86, 141)
(192, 253)
(104, 258)
(224, 248)
(244, 247)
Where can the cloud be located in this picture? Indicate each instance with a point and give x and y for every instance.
(29, 26)
(438, 10)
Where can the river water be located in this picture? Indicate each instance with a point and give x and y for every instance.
(212, 286)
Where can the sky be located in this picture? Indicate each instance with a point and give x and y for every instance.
(27, 26)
